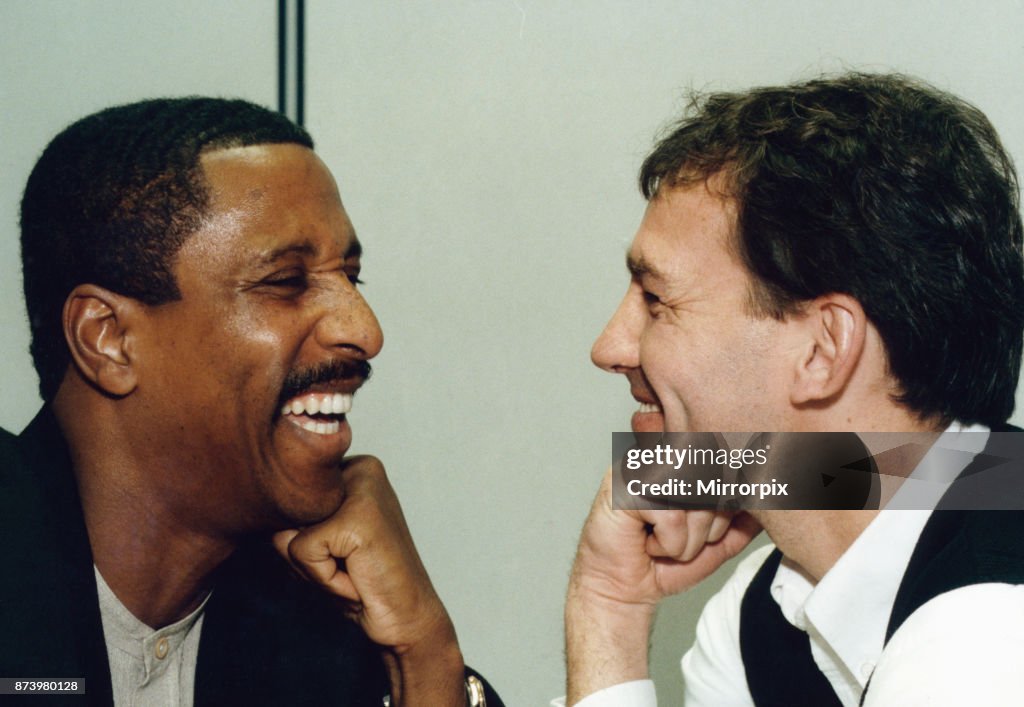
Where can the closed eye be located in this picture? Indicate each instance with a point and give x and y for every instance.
(288, 281)
(298, 282)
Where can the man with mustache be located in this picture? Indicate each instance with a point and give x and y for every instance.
(191, 279)
(842, 255)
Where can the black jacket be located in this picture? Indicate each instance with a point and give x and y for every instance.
(268, 638)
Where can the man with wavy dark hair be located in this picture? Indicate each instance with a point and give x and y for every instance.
(180, 524)
(837, 255)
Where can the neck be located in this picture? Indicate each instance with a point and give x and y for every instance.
(159, 570)
(159, 576)
(816, 539)
(157, 563)
(833, 533)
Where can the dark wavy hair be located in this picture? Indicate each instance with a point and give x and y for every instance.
(886, 189)
(112, 199)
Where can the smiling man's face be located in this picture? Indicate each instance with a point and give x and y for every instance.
(696, 358)
(245, 380)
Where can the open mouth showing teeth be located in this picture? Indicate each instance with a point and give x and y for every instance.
(650, 407)
(320, 413)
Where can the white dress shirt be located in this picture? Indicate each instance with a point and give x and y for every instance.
(962, 647)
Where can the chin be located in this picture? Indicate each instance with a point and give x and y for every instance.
(303, 499)
(309, 507)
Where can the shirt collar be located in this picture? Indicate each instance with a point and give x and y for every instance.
(849, 608)
(152, 648)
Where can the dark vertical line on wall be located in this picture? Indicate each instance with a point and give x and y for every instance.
(291, 57)
(300, 62)
(282, 56)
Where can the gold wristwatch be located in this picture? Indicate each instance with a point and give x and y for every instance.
(475, 696)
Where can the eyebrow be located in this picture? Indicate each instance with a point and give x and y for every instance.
(306, 248)
(639, 267)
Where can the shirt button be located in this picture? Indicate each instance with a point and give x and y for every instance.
(161, 648)
(866, 668)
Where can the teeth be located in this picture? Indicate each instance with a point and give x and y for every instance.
(320, 428)
(323, 403)
(342, 403)
(650, 407)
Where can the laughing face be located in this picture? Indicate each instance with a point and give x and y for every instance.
(246, 380)
(695, 358)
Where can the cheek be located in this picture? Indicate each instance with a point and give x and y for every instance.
(755, 380)
(706, 372)
(267, 331)
(767, 357)
(674, 365)
(260, 343)
(234, 376)
(670, 353)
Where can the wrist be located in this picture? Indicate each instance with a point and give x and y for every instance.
(430, 672)
(607, 642)
(594, 595)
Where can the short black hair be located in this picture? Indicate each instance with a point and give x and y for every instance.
(889, 190)
(112, 199)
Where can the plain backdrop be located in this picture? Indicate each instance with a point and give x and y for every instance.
(487, 153)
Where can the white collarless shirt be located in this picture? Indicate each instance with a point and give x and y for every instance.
(149, 667)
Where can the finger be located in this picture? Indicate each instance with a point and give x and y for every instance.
(281, 540)
(719, 526)
(317, 557)
(743, 529)
(341, 584)
(698, 523)
(668, 533)
(654, 548)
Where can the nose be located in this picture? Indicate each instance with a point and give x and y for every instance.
(617, 349)
(348, 323)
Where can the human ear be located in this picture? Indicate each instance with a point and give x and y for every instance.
(98, 326)
(836, 328)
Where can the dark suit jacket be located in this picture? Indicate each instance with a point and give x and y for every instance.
(268, 638)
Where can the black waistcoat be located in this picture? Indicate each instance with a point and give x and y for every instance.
(957, 548)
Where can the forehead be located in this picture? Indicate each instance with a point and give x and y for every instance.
(236, 171)
(687, 233)
(263, 198)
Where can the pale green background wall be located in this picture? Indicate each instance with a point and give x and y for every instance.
(487, 154)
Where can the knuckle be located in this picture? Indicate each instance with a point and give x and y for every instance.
(367, 462)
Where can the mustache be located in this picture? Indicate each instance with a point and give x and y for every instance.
(337, 370)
